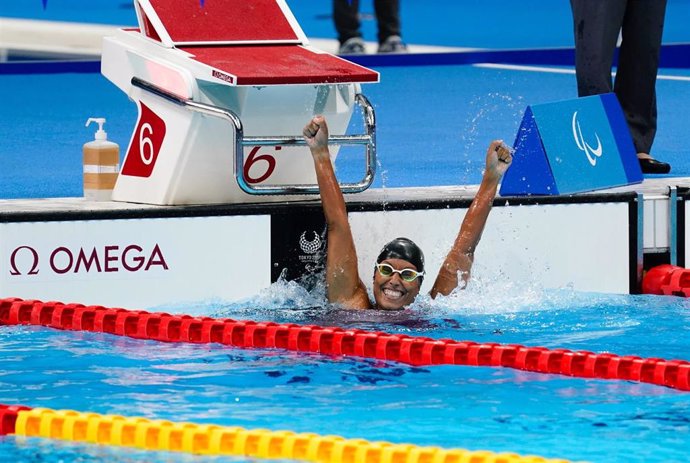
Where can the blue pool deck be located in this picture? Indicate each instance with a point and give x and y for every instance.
(435, 113)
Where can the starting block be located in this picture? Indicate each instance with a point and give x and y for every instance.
(224, 88)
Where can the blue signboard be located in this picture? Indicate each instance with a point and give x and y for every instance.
(572, 146)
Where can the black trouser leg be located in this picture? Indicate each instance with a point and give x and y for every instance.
(388, 18)
(596, 25)
(638, 63)
(346, 19)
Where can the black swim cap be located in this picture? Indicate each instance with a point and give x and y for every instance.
(403, 248)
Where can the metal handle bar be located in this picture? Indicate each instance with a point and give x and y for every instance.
(369, 140)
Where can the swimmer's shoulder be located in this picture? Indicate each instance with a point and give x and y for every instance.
(358, 301)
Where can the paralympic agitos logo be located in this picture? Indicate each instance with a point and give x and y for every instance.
(592, 153)
(26, 260)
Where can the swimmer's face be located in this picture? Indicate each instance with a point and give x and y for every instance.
(392, 292)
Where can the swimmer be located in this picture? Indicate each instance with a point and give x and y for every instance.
(399, 268)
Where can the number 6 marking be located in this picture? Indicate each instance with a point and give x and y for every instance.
(145, 141)
(254, 157)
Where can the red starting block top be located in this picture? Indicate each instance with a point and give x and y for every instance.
(278, 64)
(245, 42)
(187, 22)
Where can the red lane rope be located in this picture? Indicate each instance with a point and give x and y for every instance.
(412, 350)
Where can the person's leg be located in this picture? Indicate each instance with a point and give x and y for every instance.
(346, 19)
(388, 18)
(596, 26)
(638, 62)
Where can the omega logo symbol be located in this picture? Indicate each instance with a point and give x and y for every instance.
(310, 247)
(61, 260)
(592, 153)
(33, 270)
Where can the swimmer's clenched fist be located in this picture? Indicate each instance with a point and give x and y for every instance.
(498, 159)
(316, 135)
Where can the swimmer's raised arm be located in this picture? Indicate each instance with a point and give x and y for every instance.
(344, 286)
(459, 259)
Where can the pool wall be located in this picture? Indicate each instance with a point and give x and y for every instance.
(125, 254)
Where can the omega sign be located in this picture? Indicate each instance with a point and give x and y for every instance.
(25, 260)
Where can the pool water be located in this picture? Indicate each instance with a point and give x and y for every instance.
(495, 409)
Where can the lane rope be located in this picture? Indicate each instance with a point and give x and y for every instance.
(413, 350)
(209, 439)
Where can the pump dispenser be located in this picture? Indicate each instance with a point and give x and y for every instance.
(101, 164)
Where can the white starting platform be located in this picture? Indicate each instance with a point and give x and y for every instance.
(223, 91)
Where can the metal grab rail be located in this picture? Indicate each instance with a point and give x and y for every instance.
(369, 140)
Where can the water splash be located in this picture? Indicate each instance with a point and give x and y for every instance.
(282, 301)
(383, 173)
(490, 110)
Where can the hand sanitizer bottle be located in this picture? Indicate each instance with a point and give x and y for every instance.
(101, 164)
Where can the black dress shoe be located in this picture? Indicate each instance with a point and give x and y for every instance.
(652, 166)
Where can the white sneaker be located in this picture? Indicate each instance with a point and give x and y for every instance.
(352, 46)
(393, 44)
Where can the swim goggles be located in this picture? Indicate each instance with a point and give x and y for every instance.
(406, 274)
